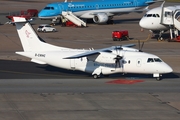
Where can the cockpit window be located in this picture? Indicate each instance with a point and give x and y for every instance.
(157, 60)
(49, 8)
(151, 15)
(150, 60)
(157, 15)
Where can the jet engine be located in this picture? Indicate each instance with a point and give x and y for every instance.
(100, 18)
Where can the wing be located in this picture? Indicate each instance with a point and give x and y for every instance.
(98, 51)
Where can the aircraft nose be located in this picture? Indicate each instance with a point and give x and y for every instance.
(42, 13)
(142, 23)
(168, 69)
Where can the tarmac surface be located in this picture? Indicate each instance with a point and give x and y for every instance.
(29, 91)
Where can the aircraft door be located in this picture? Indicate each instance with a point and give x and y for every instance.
(177, 19)
(61, 7)
(167, 16)
(135, 3)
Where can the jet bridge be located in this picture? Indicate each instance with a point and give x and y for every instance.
(171, 17)
(70, 16)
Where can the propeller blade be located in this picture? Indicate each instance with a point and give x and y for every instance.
(117, 60)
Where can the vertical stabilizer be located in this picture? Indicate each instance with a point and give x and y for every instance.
(29, 39)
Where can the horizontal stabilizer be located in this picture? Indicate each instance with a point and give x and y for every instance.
(37, 61)
(26, 54)
(19, 19)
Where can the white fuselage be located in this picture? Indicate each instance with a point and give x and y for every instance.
(115, 59)
(152, 20)
(157, 19)
(132, 62)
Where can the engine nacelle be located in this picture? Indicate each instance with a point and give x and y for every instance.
(100, 18)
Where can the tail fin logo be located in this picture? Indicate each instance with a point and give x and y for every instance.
(27, 34)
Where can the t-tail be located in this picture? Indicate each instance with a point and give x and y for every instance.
(32, 44)
(29, 39)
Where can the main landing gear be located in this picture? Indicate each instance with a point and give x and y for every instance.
(96, 76)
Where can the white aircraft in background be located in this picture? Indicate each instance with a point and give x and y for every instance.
(161, 19)
(116, 59)
(101, 11)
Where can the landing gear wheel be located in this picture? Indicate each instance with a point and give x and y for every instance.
(158, 78)
(95, 76)
(160, 39)
(120, 39)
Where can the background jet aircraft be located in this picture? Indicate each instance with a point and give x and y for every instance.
(99, 10)
(161, 19)
(115, 59)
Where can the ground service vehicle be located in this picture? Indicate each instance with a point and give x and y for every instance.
(120, 35)
(46, 28)
(28, 14)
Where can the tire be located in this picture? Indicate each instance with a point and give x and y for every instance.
(158, 78)
(44, 30)
(54, 30)
(120, 39)
(95, 76)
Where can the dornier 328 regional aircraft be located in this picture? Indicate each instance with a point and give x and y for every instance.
(115, 59)
(99, 10)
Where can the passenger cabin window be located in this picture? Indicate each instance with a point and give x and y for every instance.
(129, 61)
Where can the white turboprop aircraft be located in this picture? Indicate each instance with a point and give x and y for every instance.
(161, 19)
(116, 59)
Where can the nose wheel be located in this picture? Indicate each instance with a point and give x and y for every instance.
(158, 78)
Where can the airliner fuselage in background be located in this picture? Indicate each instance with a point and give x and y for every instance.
(99, 10)
(161, 19)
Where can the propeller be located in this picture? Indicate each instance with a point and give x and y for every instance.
(118, 57)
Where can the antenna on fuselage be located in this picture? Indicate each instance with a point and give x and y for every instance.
(140, 46)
